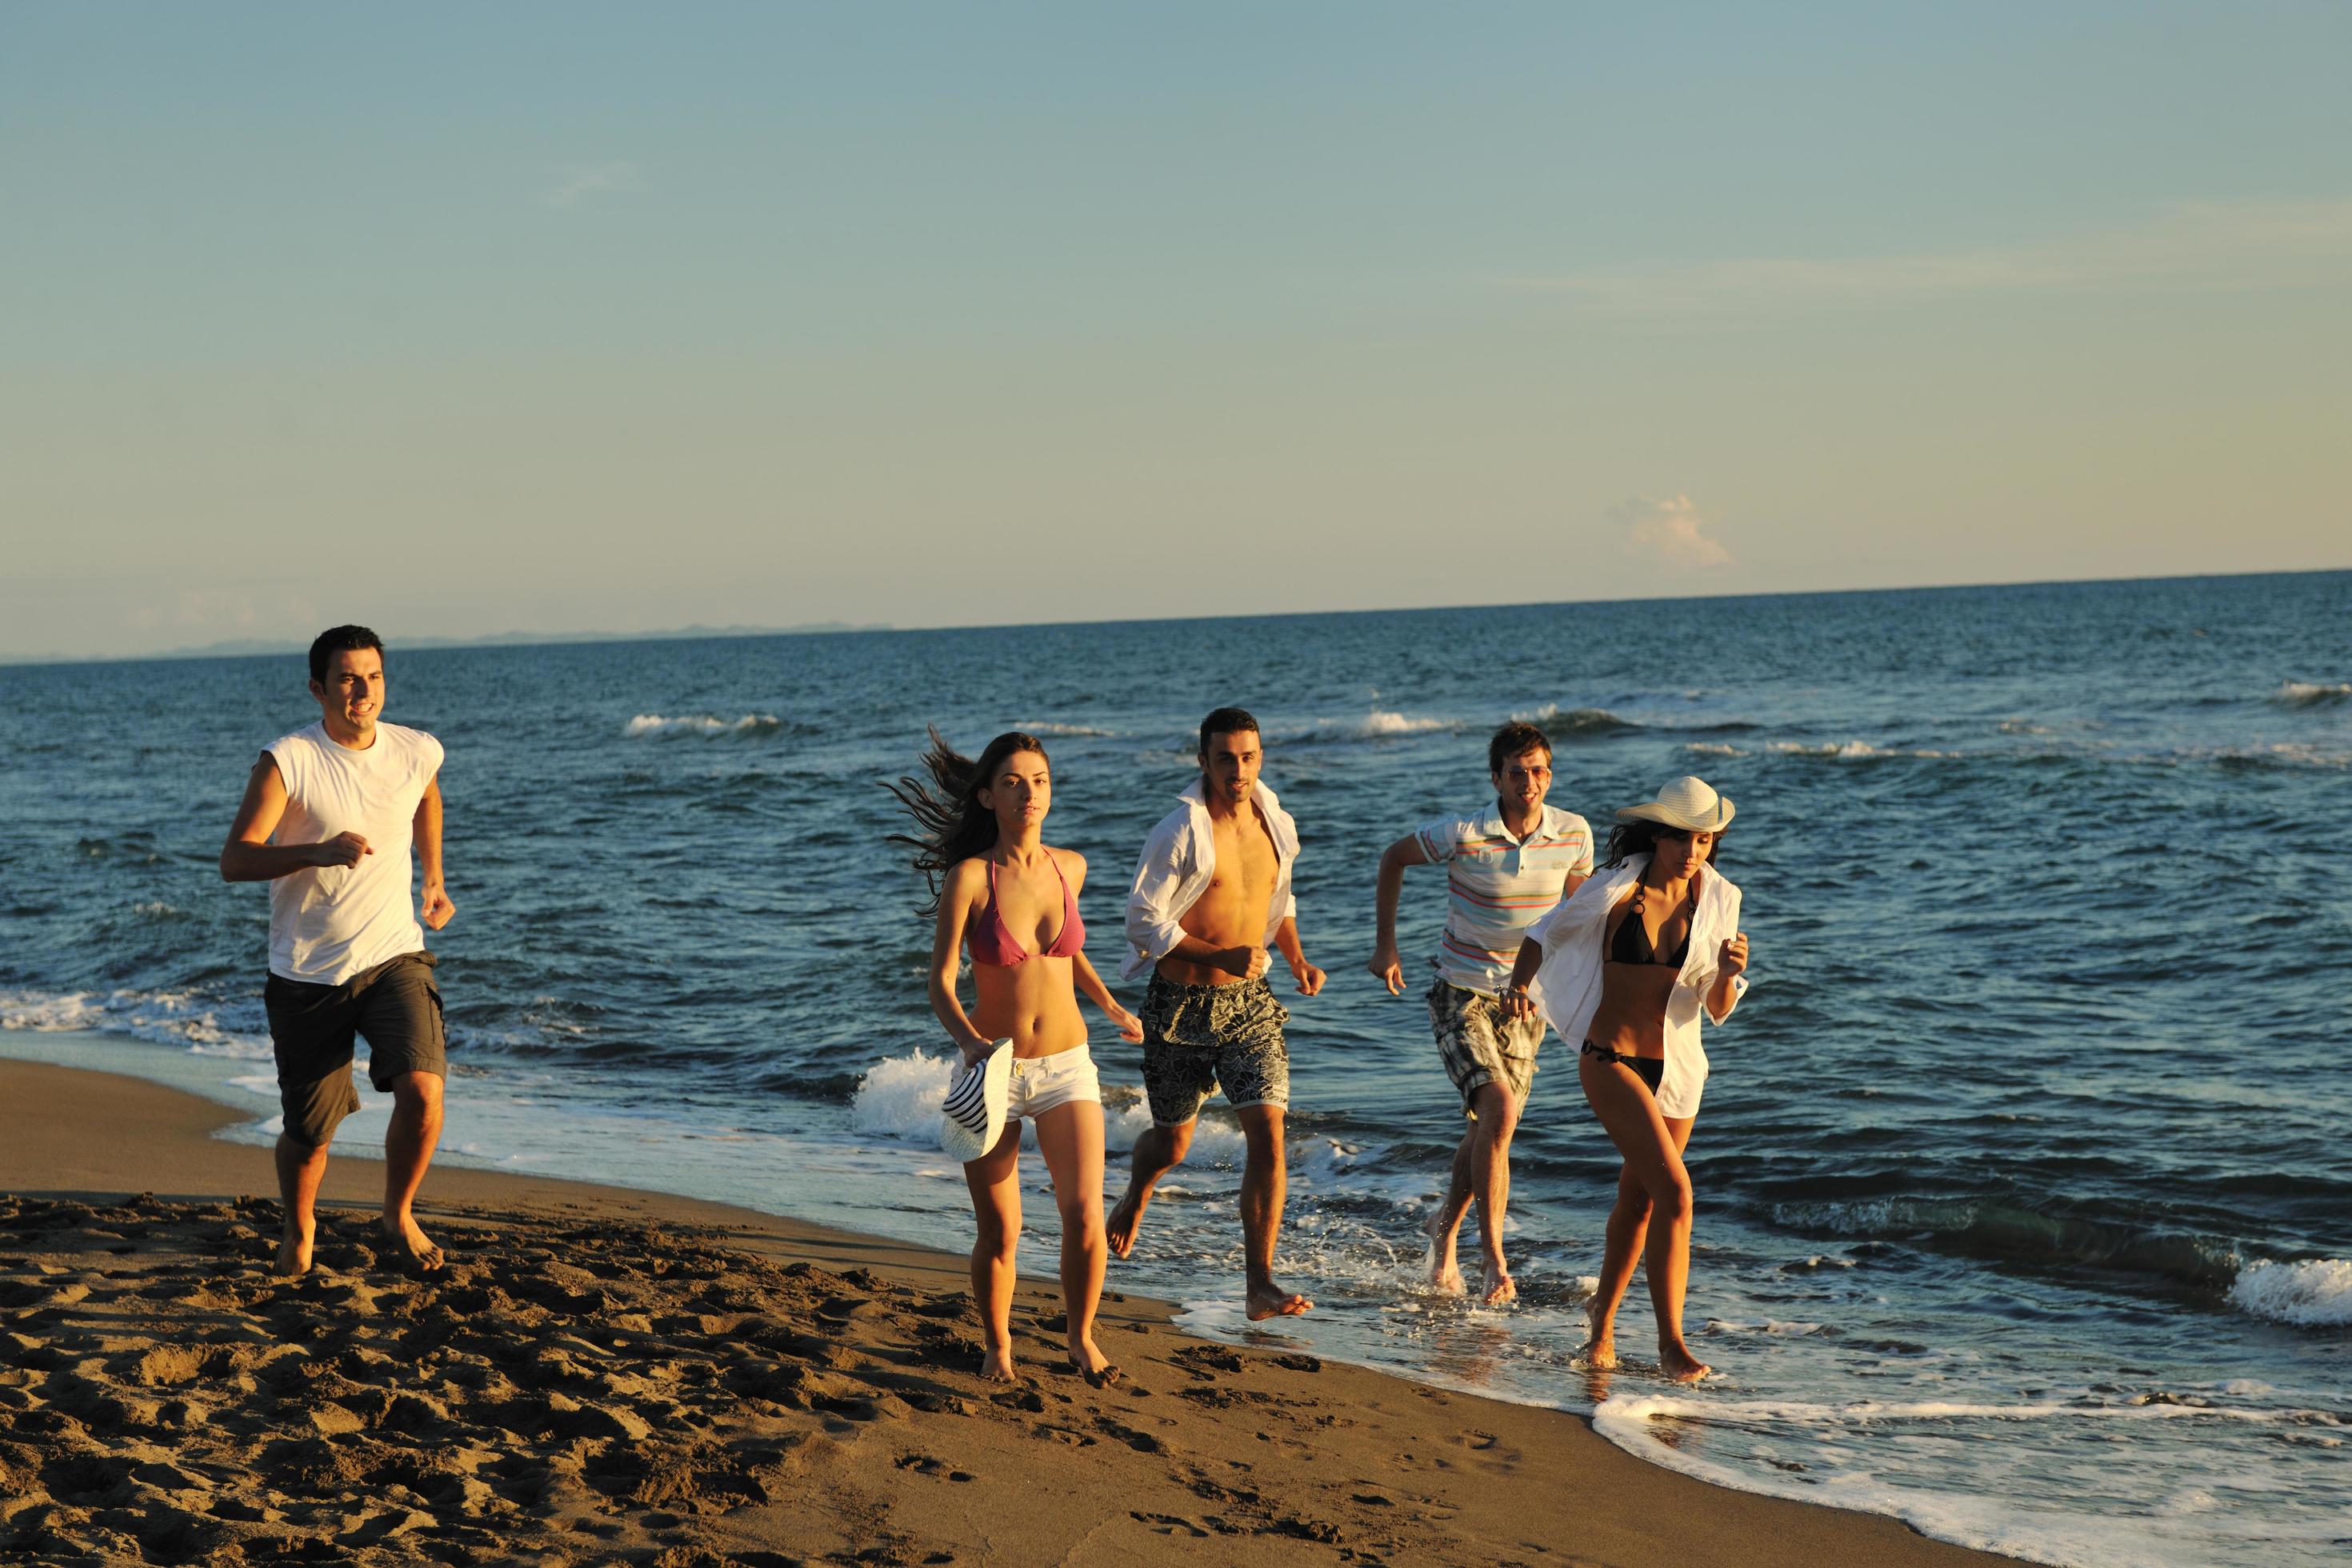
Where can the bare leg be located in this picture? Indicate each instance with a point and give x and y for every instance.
(1265, 1184)
(1445, 1221)
(1490, 1173)
(1629, 1222)
(299, 1170)
(994, 1180)
(1654, 1156)
(1160, 1150)
(1071, 1137)
(408, 1144)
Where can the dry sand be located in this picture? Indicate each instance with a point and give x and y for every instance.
(608, 1376)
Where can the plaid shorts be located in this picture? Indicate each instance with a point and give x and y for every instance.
(1197, 1038)
(1481, 1044)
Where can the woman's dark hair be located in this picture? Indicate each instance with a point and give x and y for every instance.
(1630, 839)
(951, 823)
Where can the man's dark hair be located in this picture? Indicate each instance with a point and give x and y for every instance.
(1225, 721)
(339, 639)
(1516, 739)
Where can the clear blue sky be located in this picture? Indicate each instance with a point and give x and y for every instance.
(469, 320)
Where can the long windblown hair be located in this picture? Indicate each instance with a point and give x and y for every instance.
(951, 824)
(1628, 839)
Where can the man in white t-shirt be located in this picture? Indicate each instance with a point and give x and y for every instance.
(1506, 867)
(330, 814)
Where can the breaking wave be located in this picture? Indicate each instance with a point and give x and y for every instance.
(2314, 1295)
(2308, 694)
(702, 726)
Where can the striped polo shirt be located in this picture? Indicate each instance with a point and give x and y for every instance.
(1497, 886)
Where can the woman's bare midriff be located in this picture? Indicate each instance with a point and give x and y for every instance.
(1032, 1003)
(1631, 1017)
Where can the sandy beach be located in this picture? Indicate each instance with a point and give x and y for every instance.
(604, 1375)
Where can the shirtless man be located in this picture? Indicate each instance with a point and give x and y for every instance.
(1211, 896)
(329, 815)
(1506, 866)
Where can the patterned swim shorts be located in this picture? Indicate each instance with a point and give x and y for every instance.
(1482, 1044)
(1196, 1037)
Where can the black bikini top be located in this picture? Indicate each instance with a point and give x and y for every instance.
(1631, 942)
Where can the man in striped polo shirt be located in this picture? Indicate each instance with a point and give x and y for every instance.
(1506, 867)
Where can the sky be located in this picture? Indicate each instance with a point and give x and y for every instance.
(469, 320)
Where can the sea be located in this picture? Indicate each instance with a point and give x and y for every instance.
(2024, 1204)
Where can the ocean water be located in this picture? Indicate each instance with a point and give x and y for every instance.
(2025, 1212)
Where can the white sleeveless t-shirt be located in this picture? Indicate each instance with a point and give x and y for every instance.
(328, 923)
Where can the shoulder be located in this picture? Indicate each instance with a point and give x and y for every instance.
(1565, 823)
(416, 742)
(1073, 864)
(1174, 826)
(293, 742)
(966, 876)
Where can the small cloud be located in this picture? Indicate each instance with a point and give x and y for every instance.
(581, 181)
(1672, 531)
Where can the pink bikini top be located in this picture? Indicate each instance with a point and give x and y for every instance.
(992, 944)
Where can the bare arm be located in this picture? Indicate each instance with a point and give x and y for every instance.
(956, 900)
(1090, 985)
(1286, 939)
(250, 857)
(1515, 1000)
(1724, 995)
(1386, 966)
(426, 834)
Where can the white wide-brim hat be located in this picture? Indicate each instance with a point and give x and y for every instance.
(1686, 803)
(972, 1118)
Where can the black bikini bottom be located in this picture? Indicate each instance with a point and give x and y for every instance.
(1651, 1070)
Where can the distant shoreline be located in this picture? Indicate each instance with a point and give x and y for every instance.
(262, 648)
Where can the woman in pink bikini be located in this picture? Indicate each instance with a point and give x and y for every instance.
(1000, 889)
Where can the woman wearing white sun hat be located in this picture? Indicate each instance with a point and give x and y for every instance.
(1003, 893)
(1628, 966)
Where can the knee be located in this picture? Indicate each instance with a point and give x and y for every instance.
(1263, 1134)
(1633, 1205)
(415, 1091)
(1177, 1141)
(1671, 1199)
(1498, 1118)
(997, 1239)
(1081, 1216)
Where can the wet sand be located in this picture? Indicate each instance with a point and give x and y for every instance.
(602, 1376)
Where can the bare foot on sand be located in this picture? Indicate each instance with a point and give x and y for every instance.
(1678, 1363)
(411, 1246)
(1445, 1272)
(1119, 1227)
(294, 1251)
(1500, 1286)
(1601, 1347)
(1088, 1362)
(997, 1366)
(1271, 1300)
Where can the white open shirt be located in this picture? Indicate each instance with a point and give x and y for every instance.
(1178, 860)
(1567, 985)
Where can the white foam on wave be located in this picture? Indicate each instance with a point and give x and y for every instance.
(899, 1097)
(1713, 749)
(1850, 751)
(654, 726)
(1378, 724)
(2314, 1295)
(1658, 1427)
(2307, 693)
(162, 1017)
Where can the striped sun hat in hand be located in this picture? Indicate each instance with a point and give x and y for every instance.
(972, 1116)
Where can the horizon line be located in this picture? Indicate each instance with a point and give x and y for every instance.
(700, 634)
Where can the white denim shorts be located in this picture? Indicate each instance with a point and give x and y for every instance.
(1042, 1083)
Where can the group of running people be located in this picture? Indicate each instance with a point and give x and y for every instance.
(339, 815)
(1624, 958)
